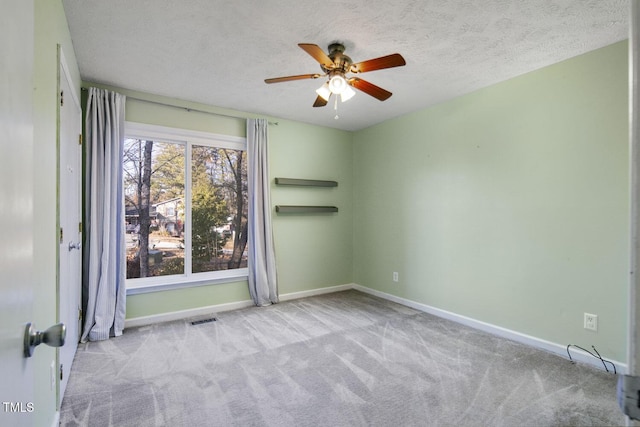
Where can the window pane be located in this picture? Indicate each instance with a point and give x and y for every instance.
(154, 203)
(218, 209)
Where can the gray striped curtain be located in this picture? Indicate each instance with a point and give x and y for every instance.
(263, 283)
(104, 263)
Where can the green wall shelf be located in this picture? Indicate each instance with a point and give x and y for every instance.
(305, 209)
(306, 182)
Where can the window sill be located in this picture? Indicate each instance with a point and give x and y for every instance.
(169, 283)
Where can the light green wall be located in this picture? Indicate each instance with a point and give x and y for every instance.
(184, 299)
(312, 251)
(51, 30)
(508, 205)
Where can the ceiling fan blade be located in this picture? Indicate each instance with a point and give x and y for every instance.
(369, 88)
(290, 78)
(317, 53)
(389, 61)
(320, 101)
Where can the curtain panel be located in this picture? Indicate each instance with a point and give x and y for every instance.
(104, 263)
(263, 283)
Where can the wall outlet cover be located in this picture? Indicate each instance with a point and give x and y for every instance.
(591, 321)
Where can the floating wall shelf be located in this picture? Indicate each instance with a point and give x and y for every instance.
(305, 182)
(305, 209)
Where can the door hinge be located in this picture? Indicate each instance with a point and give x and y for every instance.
(62, 98)
(61, 372)
(629, 395)
(79, 313)
(80, 227)
(80, 139)
(61, 235)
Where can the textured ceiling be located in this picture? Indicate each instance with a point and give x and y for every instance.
(219, 52)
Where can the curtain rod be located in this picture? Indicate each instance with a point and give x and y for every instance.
(187, 108)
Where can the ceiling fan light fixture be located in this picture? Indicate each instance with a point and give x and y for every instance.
(337, 84)
(347, 94)
(324, 92)
(336, 66)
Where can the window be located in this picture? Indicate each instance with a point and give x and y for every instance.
(186, 204)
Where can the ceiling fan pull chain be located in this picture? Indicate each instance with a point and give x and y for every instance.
(335, 107)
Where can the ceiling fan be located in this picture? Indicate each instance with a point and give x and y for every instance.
(336, 65)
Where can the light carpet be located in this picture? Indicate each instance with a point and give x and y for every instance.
(341, 359)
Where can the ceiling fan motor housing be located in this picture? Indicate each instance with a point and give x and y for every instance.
(341, 62)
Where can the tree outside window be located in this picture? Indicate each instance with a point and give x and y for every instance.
(175, 229)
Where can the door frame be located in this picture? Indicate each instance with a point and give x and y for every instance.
(633, 333)
(72, 97)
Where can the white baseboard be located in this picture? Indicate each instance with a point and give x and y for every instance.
(561, 350)
(199, 311)
(317, 291)
(56, 420)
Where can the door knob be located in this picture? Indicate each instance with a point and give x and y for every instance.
(54, 337)
(74, 245)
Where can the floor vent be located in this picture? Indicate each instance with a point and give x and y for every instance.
(201, 321)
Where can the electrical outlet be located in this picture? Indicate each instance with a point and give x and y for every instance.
(591, 321)
(395, 276)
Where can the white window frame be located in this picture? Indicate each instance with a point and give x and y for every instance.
(187, 138)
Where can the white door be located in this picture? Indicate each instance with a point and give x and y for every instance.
(16, 210)
(70, 178)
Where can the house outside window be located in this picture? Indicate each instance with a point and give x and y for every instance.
(186, 205)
